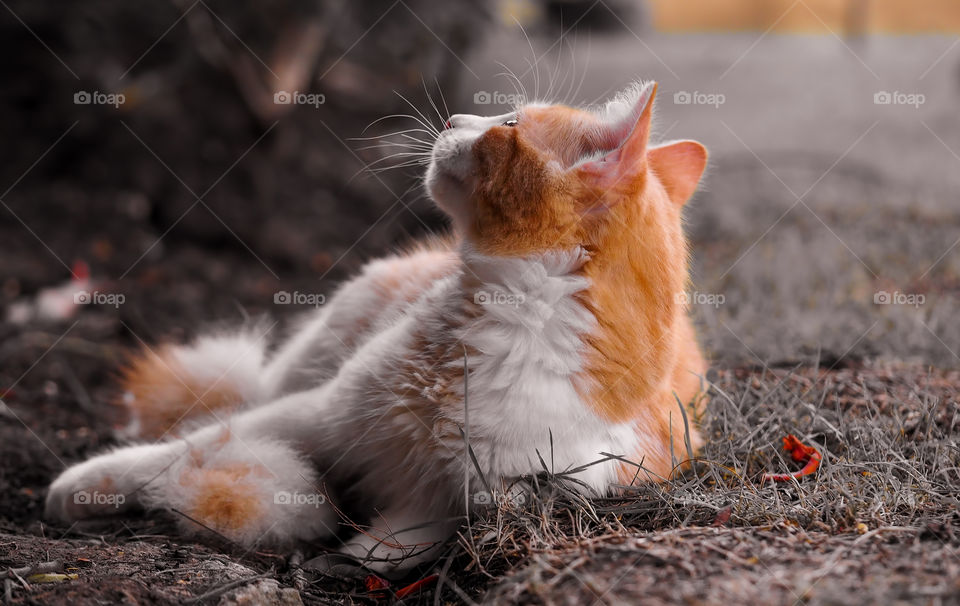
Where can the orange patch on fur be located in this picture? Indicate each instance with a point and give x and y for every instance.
(644, 355)
(162, 394)
(225, 498)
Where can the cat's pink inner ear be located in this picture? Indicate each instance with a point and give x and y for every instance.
(679, 167)
(628, 139)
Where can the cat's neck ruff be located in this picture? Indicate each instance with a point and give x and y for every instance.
(528, 307)
(529, 323)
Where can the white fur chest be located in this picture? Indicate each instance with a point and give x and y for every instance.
(522, 398)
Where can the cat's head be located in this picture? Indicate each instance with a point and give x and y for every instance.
(551, 176)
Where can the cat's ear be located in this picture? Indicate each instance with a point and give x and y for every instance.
(679, 166)
(627, 140)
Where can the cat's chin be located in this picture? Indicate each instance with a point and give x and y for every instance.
(448, 192)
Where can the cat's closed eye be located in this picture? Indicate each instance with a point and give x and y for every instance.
(511, 122)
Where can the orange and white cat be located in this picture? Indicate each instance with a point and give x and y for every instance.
(562, 291)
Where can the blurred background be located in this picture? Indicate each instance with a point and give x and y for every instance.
(183, 162)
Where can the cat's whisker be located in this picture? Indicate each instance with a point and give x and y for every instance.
(400, 144)
(398, 138)
(536, 80)
(583, 75)
(425, 121)
(535, 65)
(412, 138)
(428, 128)
(400, 165)
(399, 132)
(570, 73)
(552, 76)
(442, 99)
(566, 68)
(518, 88)
(394, 145)
(400, 154)
(378, 170)
(443, 118)
(408, 158)
(415, 158)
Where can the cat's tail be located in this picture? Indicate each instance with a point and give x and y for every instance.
(169, 387)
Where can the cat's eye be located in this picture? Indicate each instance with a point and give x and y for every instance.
(511, 122)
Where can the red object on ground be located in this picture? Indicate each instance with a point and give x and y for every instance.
(377, 587)
(801, 453)
(414, 587)
(375, 584)
(80, 270)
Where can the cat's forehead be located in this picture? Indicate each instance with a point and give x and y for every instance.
(558, 118)
(564, 131)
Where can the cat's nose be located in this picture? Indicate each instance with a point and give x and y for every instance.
(457, 120)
